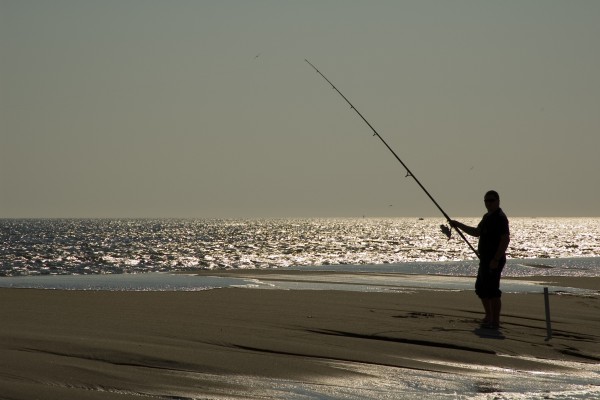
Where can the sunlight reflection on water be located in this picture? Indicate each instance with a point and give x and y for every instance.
(477, 382)
(43, 246)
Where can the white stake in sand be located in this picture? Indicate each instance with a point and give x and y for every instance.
(548, 323)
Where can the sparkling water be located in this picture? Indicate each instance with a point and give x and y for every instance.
(102, 246)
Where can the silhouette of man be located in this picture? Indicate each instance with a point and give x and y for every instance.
(494, 236)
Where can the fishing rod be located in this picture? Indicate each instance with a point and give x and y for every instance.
(408, 171)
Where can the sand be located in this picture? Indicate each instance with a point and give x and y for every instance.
(125, 345)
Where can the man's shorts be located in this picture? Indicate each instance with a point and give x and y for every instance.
(487, 285)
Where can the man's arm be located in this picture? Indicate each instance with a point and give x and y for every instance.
(501, 252)
(471, 230)
(502, 246)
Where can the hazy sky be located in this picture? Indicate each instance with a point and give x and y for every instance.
(142, 108)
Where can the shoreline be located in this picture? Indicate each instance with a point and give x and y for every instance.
(587, 283)
(290, 279)
(223, 343)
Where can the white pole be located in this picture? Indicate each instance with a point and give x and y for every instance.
(548, 323)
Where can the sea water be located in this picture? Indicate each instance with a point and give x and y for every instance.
(109, 246)
(143, 254)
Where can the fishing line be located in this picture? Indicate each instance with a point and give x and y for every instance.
(408, 171)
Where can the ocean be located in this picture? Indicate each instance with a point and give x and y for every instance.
(145, 254)
(115, 246)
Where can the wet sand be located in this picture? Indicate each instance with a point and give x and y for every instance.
(122, 345)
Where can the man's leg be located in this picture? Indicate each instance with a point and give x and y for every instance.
(487, 306)
(495, 306)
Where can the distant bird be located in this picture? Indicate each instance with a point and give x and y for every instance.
(256, 56)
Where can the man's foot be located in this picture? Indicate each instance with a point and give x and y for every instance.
(491, 325)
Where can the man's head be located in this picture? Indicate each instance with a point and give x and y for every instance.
(492, 200)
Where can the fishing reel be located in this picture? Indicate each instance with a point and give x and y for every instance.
(446, 231)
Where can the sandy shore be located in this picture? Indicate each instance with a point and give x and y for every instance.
(99, 345)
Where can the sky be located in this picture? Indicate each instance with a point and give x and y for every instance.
(207, 109)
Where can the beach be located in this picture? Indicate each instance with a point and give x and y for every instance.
(243, 343)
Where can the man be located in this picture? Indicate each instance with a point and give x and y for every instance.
(494, 237)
